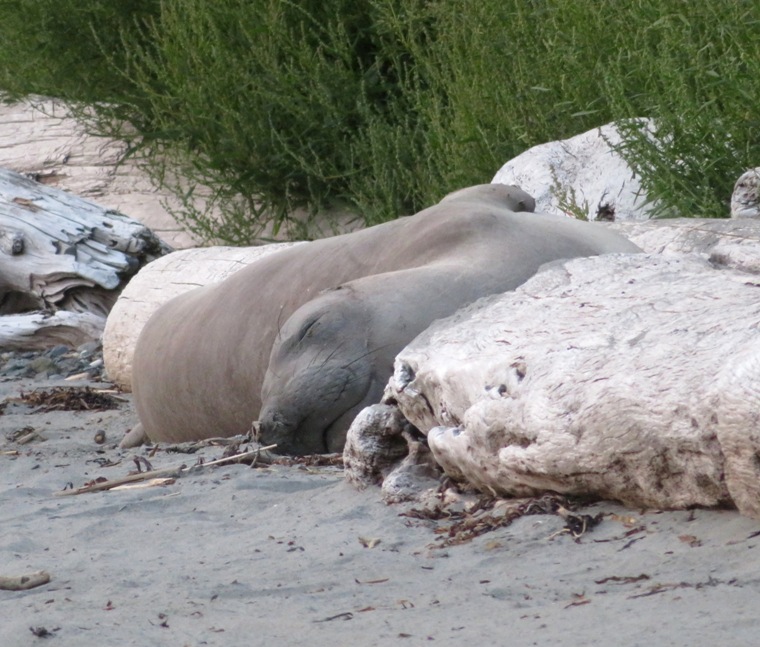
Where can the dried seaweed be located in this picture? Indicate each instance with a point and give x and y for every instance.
(577, 525)
(627, 579)
(482, 517)
(69, 399)
(664, 588)
(312, 460)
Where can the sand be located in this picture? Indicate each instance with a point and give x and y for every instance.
(235, 555)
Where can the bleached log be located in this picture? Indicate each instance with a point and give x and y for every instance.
(374, 445)
(382, 448)
(62, 256)
(745, 199)
(731, 243)
(634, 378)
(40, 330)
(62, 252)
(584, 174)
(157, 283)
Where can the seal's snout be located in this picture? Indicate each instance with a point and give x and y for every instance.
(271, 429)
(275, 429)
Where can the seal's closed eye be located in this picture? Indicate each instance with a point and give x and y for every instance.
(306, 328)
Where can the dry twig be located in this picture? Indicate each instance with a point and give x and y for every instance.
(168, 472)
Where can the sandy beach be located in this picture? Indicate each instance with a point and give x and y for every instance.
(292, 555)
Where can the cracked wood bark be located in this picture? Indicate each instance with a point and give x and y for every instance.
(59, 253)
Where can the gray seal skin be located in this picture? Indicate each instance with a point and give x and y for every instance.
(313, 329)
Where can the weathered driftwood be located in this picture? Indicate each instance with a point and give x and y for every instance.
(157, 283)
(635, 378)
(731, 243)
(39, 138)
(374, 445)
(745, 199)
(583, 174)
(39, 330)
(61, 253)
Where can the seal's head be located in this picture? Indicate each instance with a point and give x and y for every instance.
(503, 196)
(319, 374)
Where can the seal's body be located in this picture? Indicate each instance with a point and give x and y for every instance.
(203, 358)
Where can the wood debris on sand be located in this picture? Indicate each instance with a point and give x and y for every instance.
(160, 476)
(483, 514)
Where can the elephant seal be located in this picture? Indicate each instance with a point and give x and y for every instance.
(314, 328)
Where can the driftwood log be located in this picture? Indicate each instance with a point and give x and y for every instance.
(633, 378)
(733, 243)
(43, 329)
(583, 174)
(63, 262)
(156, 284)
(40, 139)
(383, 448)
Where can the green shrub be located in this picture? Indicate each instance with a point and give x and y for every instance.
(516, 74)
(702, 88)
(70, 50)
(384, 106)
(269, 100)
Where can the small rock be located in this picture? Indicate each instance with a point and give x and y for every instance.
(13, 364)
(42, 365)
(58, 351)
(88, 349)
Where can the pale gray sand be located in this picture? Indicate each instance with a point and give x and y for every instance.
(239, 556)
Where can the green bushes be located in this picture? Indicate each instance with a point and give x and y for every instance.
(49, 47)
(704, 91)
(384, 106)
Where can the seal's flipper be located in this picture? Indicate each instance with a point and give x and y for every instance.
(134, 437)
